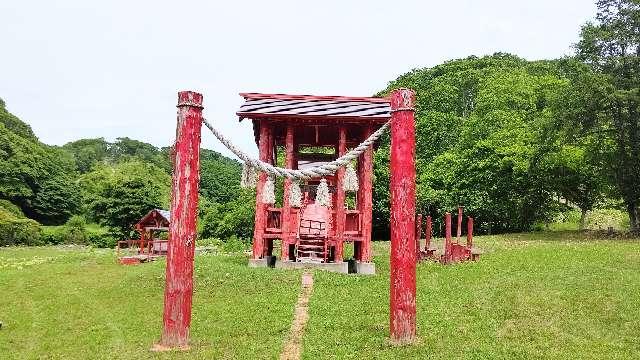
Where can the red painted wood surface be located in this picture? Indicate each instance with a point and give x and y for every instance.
(340, 196)
(428, 228)
(286, 213)
(446, 257)
(365, 199)
(459, 228)
(418, 235)
(184, 209)
(261, 209)
(469, 232)
(403, 209)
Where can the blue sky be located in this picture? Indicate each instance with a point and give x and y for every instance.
(78, 69)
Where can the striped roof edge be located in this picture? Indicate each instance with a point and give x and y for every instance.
(165, 214)
(310, 106)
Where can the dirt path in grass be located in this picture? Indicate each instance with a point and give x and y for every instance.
(293, 345)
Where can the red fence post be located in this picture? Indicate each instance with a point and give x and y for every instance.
(459, 228)
(403, 212)
(427, 233)
(447, 238)
(178, 290)
(469, 232)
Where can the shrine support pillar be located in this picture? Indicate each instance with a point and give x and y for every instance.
(265, 154)
(286, 205)
(340, 196)
(403, 212)
(178, 290)
(365, 199)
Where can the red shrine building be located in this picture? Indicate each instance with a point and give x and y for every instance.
(302, 131)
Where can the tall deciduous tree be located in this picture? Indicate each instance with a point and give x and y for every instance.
(611, 45)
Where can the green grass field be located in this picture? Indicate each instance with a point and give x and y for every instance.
(556, 295)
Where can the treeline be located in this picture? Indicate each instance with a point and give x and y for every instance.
(93, 191)
(514, 141)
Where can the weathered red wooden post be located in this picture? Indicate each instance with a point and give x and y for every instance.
(178, 290)
(365, 167)
(447, 238)
(266, 155)
(469, 232)
(340, 196)
(403, 212)
(418, 235)
(286, 205)
(459, 228)
(427, 233)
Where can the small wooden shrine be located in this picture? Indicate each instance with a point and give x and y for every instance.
(149, 245)
(302, 131)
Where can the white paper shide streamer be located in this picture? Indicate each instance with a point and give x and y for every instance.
(248, 180)
(350, 182)
(295, 195)
(323, 197)
(268, 192)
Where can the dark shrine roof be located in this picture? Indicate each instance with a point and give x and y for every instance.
(163, 214)
(282, 106)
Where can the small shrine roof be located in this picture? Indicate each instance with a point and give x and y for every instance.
(284, 106)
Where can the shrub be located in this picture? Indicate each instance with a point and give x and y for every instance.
(602, 219)
(11, 208)
(76, 232)
(54, 235)
(14, 231)
(235, 244)
(101, 237)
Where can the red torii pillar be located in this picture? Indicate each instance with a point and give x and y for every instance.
(178, 290)
(403, 212)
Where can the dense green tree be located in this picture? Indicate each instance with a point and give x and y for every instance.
(219, 177)
(13, 124)
(31, 172)
(611, 45)
(479, 128)
(235, 218)
(118, 195)
(88, 152)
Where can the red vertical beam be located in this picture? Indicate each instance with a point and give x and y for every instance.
(427, 233)
(340, 195)
(459, 228)
(418, 235)
(264, 145)
(286, 206)
(366, 200)
(447, 237)
(403, 212)
(469, 232)
(182, 231)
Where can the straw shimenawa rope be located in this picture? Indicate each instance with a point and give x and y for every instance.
(315, 172)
